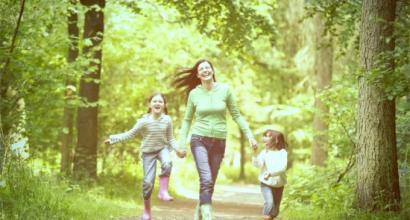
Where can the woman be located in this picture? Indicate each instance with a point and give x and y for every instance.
(208, 101)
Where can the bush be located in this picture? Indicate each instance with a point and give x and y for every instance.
(24, 195)
(316, 187)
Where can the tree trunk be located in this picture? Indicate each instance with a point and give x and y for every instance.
(377, 173)
(5, 109)
(242, 152)
(323, 71)
(67, 140)
(85, 161)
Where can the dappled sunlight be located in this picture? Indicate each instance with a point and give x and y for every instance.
(319, 72)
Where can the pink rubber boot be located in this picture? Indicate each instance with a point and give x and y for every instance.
(163, 189)
(147, 210)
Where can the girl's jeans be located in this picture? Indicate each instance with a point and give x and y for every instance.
(272, 197)
(208, 154)
(149, 161)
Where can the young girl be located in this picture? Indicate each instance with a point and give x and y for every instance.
(158, 140)
(273, 162)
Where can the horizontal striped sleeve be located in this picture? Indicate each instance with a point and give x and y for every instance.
(128, 134)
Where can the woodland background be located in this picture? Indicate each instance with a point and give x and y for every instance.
(333, 76)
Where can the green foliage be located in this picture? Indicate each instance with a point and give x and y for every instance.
(26, 195)
(316, 187)
(36, 74)
(262, 49)
(342, 124)
(234, 24)
(343, 21)
(403, 142)
(341, 18)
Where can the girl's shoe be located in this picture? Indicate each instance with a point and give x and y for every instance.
(206, 211)
(147, 210)
(197, 215)
(163, 189)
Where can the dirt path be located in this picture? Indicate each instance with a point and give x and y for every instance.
(231, 202)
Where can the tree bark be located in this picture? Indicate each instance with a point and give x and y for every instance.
(85, 161)
(69, 110)
(323, 72)
(377, 172)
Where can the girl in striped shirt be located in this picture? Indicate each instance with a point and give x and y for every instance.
(156, 130)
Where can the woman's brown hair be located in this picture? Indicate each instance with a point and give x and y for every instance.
(187, 79)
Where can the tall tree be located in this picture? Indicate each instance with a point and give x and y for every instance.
(6, 101)
(378, 180)
(67, 140)
(85, 161)
(323, 72)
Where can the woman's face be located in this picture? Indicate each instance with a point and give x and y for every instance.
(205, 72)
(157, 104)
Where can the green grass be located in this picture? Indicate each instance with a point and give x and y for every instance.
(24, 195)
(309, 194)
(306, 212)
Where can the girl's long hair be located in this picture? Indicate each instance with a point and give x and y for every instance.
(187, 79)
(163, 98)
(277, 137)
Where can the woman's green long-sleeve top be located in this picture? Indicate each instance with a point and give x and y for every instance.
(209, 108)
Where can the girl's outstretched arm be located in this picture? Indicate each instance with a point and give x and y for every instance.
(115, 138)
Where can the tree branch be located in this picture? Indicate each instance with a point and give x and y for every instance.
(352, 160)
(13, 42)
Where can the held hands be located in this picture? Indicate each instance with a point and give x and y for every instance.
(255, 151)
(107, 141)
(253, 143)
(181, 153)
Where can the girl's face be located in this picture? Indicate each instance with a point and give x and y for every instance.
(157, 104)
(268, 140)
(205, 72)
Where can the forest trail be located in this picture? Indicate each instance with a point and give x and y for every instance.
(230, 202)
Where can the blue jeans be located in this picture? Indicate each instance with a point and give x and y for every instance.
(272, 197)
(208, 154)
(149, 162)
